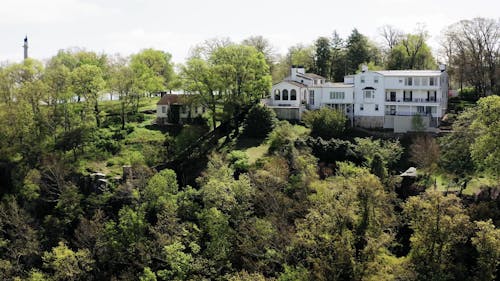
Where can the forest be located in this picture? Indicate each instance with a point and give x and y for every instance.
(91, 188)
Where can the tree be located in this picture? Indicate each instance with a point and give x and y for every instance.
(326, 122)
(455, 147)
(322, 57)
(153, 71)
(124, 82)
(87, 81)
(263, 46)
(487, 243)
(244, 72)
(260, 121)
(67, 264)
(471, 50)
(424, 151)
(338, 62)
(358, 51)
(391, 35)
(199, 77)
(439, 225)
(411, 52)
(486, 125)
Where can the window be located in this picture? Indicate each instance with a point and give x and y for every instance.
(293, 94)
(277, 94)
(376, 107)
(337, 95)
(400, 81)
(375, 79)
(362, 79)
(361, 107)
(163, 109)
(285, 94)
(369, 94)
(420, 109)
(432, 81)
(425, 81)
(416, 81)
(311, 97)
(409, 81)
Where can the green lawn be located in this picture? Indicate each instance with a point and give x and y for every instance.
(444, 183)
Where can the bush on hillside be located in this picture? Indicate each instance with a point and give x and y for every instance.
(259, 122)
(326, 122)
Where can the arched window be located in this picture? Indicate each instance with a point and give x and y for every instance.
(293, 94)
(277, 94)
(285, 94)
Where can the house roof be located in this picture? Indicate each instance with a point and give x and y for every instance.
(332, 85)
(295, 83)
(409, 72)
(172, 99)
(314, 76)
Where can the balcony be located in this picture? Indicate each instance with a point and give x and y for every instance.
(414, 100)
(407, 113)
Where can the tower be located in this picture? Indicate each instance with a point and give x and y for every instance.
(25, 46)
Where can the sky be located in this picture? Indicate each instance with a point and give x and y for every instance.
(127, 26)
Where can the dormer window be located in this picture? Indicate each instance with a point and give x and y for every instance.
(285, 94)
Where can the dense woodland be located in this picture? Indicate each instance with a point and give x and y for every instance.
(94, 190)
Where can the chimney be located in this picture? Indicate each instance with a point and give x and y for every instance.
(442, 67)
(25, 46)
(364, 68)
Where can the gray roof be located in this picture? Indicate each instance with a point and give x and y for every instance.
(411, 172)
(409, 72)
(332, 85)
(295, 83)
(314, 76)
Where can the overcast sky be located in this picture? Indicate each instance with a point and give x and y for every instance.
(127, 26)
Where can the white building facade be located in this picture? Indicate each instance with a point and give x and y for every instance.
(393, 99)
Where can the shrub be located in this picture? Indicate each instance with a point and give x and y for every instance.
(188, 135)
(284, 136)
(239, 160)
(259, 122)
(326, 122)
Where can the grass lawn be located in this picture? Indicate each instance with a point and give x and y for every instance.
(254, 148)
(444, 183)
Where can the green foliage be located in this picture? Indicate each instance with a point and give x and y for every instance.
(294, 274)
(487, 243)
(417, 123)
(188, 135)
(332, 150)
(455, 147)
(326, 122)
(411, 52)
(322, 56)
(390, 151)
(487, 125)
(67, 264)
(283, 136)
(259, 122)
(147, 275)
(440, 226)
(239, 160)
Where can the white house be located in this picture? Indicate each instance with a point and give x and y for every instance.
(370, 99)
(176, 109)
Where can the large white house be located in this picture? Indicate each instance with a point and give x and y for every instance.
(371, 99)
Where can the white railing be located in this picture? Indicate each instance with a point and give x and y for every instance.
(415, 100)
